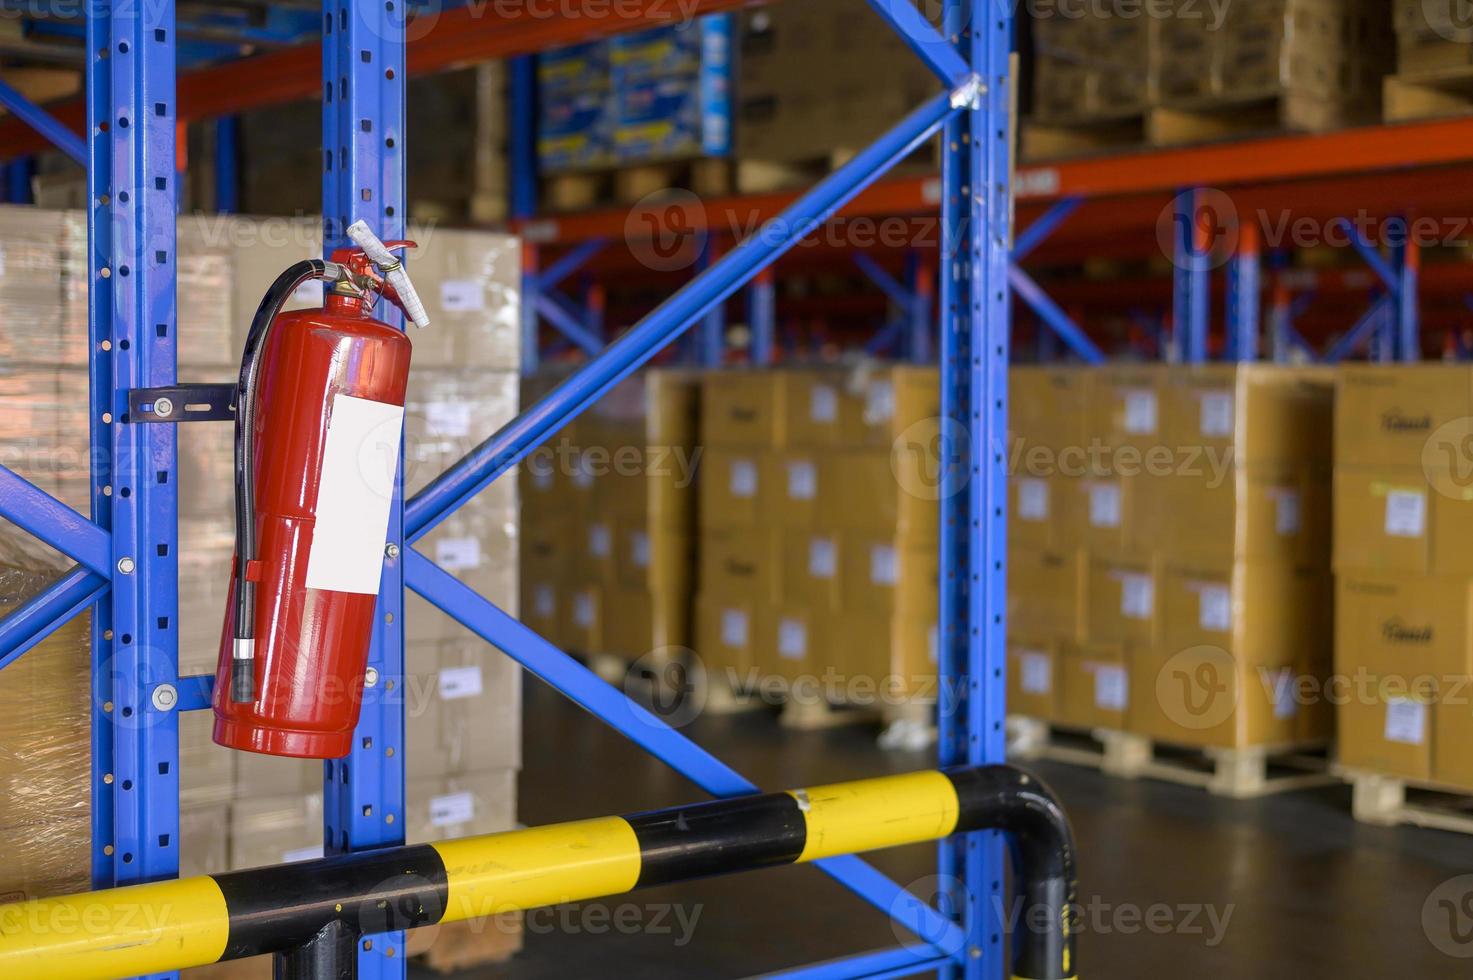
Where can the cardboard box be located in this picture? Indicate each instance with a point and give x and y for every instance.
(1250, 415)
(888, 659)
(726, 638)
(1204, 696)
(1033, 678)
(741, 564)
(1043, 511)
(902, 409)
(1254, 513)
(744, 409)
(1122, 601)
(1258, 613)
(1452, 727)
(1046, 592)
(794, 643)
(1119, 515)
(735, 490)
(1407, 621)
(648, 424)
(462, 703)
(823, 409)
(1386, 724)
(1125, 407)
(1046, 415)
(204, 839)
(266, 830)
(653, 559)
(584, 607)
(1385, 415)
(595, 557)
(542, 609)
(810, 569)
(1094, 686)
(646, 622)
(1402, 519)
(875, 497)
(800, 489)
(206, 770)
(884, 574)
(464, 805)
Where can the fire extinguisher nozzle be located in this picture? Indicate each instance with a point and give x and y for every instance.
(243, 672)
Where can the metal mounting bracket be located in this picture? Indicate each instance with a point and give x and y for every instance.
(183, 403)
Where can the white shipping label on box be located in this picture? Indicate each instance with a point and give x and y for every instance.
(1036, 675)
(792, 639)
(1033, 500)
(462, 296)
(933, 643)
(823, 561)
(353, 496)
(1140, 412)
(458, 554)
(600, 541)
(879, 402)
(823, 404)
(582, 475)
(543, 602)
(733, 628)
(1104, 505)
(1215, 608)
(802, 480)
(452, 808)
(1137, 596)
(1111, 688)
(884, 565)
(302, 854)
(1406, 513)
(541, 477)
(1286, 703)
(640, 542)
(1287, 509)
(1406, 721)
(449, 419)
(583, 610)
(743, 478)
(1217, 414)
(460, 682)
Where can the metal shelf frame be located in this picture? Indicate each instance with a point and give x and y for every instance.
(126, 552)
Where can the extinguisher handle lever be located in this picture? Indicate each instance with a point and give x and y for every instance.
(393, 271)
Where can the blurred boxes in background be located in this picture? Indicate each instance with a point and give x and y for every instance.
(1093, 65)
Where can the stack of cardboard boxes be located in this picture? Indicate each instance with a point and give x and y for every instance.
(609, 519)
(819, 533)
(1093, 66)
(1170, 561)
(1404, 609)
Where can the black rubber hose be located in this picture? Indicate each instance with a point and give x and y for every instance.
(1010, 800)
(243, 671)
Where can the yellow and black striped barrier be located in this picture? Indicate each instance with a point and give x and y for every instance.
(313, 913)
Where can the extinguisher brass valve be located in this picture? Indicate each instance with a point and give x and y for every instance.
(393, 271)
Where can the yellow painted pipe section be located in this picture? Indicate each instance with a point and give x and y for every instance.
(121, 932)
(526, 869)
(850, 818)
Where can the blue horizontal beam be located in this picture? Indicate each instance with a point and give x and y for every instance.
(923, 38)
(195, 692)
(885, 282)
(626, 355)
(1368, 324)
(44, 123)
(648, 731)
(570, 263)
(566, 325)
(899, 962)
(1044, 226)
(1053, 316)
(43, 613)
(36, 511)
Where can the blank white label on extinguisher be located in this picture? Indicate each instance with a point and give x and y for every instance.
(353, 496)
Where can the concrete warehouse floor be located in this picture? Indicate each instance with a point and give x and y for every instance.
(1303, 890)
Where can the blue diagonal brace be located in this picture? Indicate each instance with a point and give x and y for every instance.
(1053, 316)
(44, 123)
(651, 733)
(36, 618)
(33, 509)
(1373, 258)
(634, 348)
(885, 282)
(1368, 324)
(1044, 226)
(902, 962)
(570, 263)
(566, 324)
(922, 38)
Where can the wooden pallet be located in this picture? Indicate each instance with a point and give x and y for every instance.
(1063, 139)
(1237, 774)
(1392, 801)
(1429, 94)
(759, 176)
(705, 177)
(1215, 119)
(812, 715)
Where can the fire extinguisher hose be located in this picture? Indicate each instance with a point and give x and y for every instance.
(243, 662)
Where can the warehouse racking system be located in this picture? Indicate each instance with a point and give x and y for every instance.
(126, 557)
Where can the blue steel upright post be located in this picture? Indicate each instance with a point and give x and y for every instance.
(975, 311)
(363, 178)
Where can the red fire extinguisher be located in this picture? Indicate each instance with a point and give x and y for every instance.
(319, 417)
